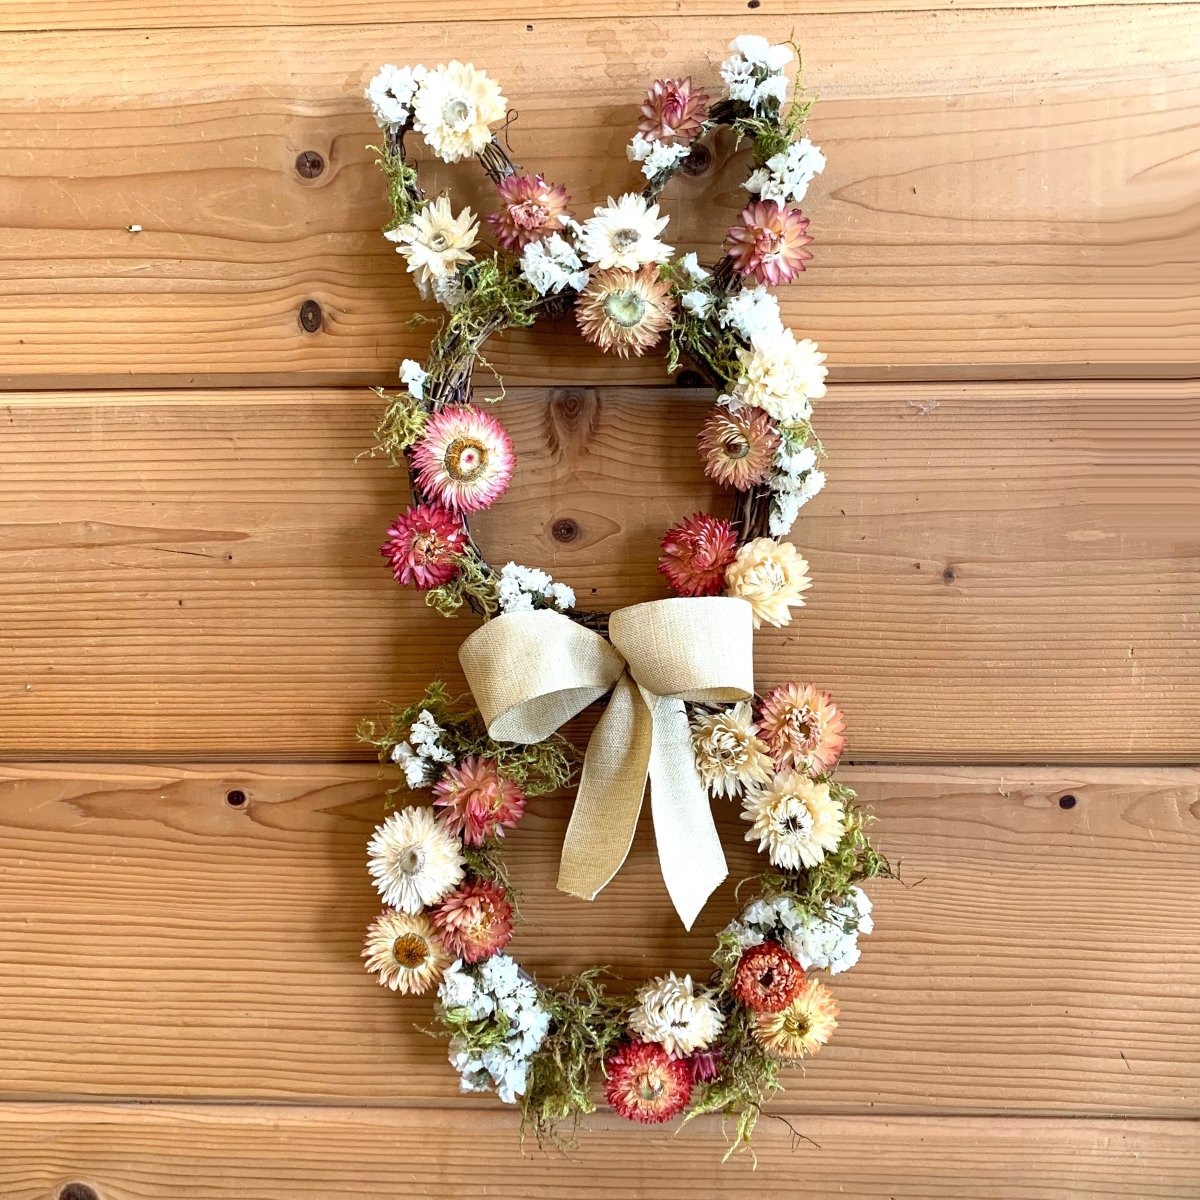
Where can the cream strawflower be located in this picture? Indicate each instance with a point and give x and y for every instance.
(729, 755)
(772, 576)
(795, 820)
(625, 234)
(781, 375)
(413, 860)
(670, 1013)
(435, 241)
(403, 949)
(454, 108)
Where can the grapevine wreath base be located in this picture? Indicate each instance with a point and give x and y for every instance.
(682, 714)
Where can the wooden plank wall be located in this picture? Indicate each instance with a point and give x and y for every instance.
(193, 614)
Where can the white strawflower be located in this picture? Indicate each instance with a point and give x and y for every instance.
(689, 264)
(655, 156)
(795, 820)
(454, 109)
(785, 176)
(413, 375)
(435, 241)
(552, 265)
(729, 754)
(624, 234)
(391, 94)
(413, 860)
(781, 375)
(753, 312)
(670, 1013)
(449, 291)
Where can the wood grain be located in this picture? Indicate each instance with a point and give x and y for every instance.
(131, 1153)
(195, 573)
(160, 943)
(1009, 190)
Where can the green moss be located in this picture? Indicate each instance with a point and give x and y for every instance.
(402, 424)
(474, 585)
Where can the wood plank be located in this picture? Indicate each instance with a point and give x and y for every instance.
(1008, 192)
(129, 1153)
(161, 943)
(195, 573)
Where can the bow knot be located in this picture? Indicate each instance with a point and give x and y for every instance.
(531, 672)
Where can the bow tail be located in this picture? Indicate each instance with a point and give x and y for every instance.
(689, 848)
(610, 793)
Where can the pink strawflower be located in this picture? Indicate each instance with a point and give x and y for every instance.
(695, 554)
(477, 802)
(423, 546)
(803, 728)
(673, 109)
(644, 1083)
(705, 1065)
(531, 210)
(738, 448)
(769, 243)
(475, 921)
(464, 459)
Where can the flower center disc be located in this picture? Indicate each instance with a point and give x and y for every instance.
(410, 951)
(466, 460)
(626, 308)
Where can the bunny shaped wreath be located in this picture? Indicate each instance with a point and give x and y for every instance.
(682, 715)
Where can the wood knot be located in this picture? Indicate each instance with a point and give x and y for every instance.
(697, 162)
(78, 1191)
(565, 529)
(568, 403)
(1067, 802)
(235, 798)
(309, 164)
(949, 575)
(311, 316)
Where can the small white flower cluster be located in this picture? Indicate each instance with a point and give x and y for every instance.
(753, 313)
(754, 73)
(656, 156)
(495, 990)
(669, 1012)
(785, 176)
(520, 586)
(391, 94)
(413, 375)
(420, 757)
(552, 265)
(794, 481)
(828, 943)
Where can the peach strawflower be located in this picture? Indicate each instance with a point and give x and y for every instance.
(801, 1028)
(531, 209)
(477, 802)
(423, 546)
(767, 978)
(464, 459)
(803, 728)
(769, 243)
(772, 576)
(696, 554)
(625, 311)
(738, 448)
(644, 1083)
(403, 950)
(475, 921)
(673, 109)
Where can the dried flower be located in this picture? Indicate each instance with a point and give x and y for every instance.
(423, 546)
(655, 157)
(644, 1083)
(454, 109)
(403, 950)
(781, 375)
(738, 447)
(435, 241)
(531, 210)
(729, 755)
(477, 802)
(767, 978)
(475, 920)
(801, 1028)
(705, 1065)
(803, 728)
(624, 234)
(696, 554)
(625, 311)
(413, 860)
(553, 265)
(785, 176)
(673, 109)
(464, 459)
(669, 1012)
(772, 576)
(391, 94)
(795, 820)
(769, 242)
(753, 312)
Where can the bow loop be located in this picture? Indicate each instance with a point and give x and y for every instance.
(531, 672)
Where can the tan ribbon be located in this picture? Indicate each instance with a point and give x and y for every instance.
(530, 672)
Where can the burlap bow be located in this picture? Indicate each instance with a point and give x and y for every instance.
(530, 672)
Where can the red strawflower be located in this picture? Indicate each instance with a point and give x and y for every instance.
(532, 210)
(767, 978)
(769, 243)
(423, 545)
(475, 920)
(673, 109)
(705, 1065)
(695, 554)
(644, 1083)
(477, 802)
